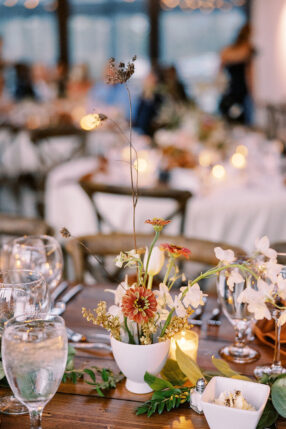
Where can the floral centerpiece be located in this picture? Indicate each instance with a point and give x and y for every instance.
(144, 316)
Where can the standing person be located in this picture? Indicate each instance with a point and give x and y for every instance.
(237, 60)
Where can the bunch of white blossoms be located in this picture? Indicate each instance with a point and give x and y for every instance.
(269, 287)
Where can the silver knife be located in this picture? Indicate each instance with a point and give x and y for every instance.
(59, 290)
(78, 337)
(71, 293)
(89, 346)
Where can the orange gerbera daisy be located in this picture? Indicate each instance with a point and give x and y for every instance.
(139, 304)
(176, 251)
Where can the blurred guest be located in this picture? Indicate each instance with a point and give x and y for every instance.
(42, 86)
(5, 99)
(23, 85)
(79, 82)
(111, 95)
(150, 102)
(174, 87)
(237, 61)
(61, 79)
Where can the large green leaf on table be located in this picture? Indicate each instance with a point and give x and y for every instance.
(172, 373)
(188, 366)
(156, 383)
(226, 370)
(269, 416)
(278, 394)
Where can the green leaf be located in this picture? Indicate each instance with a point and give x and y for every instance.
(2, 373)
(156, 383)
(142, 409)
(226, 370)
(161, 407)
(99, 392)
(104, 375)
(173, 374)
(208, 375)
(278, 394)
(188, 366)
(130, 336)
(269, 416)
(90, 373)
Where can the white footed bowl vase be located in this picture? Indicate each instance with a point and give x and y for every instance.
(134, 360)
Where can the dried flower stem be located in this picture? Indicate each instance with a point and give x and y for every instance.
(134, 187)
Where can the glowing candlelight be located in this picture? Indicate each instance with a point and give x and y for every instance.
(218, 172)
(188, 341)
(242, 149)
(89, 122)
(238, 160)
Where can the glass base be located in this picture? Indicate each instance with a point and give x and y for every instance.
(11, 405)
(270, 369)
(239, 354)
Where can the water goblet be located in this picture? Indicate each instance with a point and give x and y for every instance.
(38, 253)
(21, 292)
(239, 317)
(34, 353)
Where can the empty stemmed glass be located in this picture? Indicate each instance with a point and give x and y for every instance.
(239, 317)
(38, 253)
(34, 353)
(274, 368)
(21, 292)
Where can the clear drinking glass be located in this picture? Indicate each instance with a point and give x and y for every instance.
(34, 353)
(239, 317)
(21, 292)
(38, 253)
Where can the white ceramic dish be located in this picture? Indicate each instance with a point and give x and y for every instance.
(221, 417)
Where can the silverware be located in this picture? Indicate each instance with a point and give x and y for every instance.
(196, 320)
(215, 316)
(78, 337)
(60, 306)
(59, 290)
(90, 346)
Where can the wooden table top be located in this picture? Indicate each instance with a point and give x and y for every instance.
(77, 406)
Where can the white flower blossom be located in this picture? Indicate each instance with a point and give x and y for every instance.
(273, 270)
(226, 256)
(179, 308)
(156, 261)
(233, 278)
(256, 302)
(163, 314)
(282, 318)
(163, 296)
(194, 296)
(119, 292)
(262, 246)
(114, 310)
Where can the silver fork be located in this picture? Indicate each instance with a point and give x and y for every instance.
(214, 320)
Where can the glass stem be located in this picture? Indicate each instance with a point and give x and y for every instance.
(276, 357)
(240, 338)
(36, 418)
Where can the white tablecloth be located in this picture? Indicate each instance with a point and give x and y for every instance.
(234, 215)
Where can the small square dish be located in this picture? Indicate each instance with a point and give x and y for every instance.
(223, 417)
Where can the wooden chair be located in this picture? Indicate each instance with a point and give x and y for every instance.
(103, 245)
(17, 226)
(180, 197)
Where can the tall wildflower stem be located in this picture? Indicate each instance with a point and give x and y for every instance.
(134, 183)
(157, 233)
(169, 268)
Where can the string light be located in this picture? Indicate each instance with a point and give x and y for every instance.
(218, 171)
(206, 6)
(90, 122)
(10, 3)
(31, 4)
(238, 160)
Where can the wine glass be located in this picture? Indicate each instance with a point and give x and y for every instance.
(239, 317)
(38, 253)
(274, 368)
(21, 292)
(34, 353)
